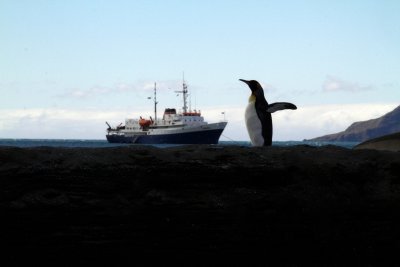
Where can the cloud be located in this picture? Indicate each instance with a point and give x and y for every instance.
(304, 123)
(56, 123)
(335, 84)
(313, 121)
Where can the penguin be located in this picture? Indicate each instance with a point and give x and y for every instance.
(258, 114)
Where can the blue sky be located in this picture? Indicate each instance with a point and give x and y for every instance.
(66, 67)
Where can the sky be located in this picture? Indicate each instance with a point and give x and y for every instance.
(67, 67)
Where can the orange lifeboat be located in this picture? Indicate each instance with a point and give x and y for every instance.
(145, 123)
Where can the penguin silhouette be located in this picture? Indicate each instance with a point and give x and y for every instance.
(258, 114)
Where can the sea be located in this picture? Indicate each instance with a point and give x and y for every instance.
(104, 143)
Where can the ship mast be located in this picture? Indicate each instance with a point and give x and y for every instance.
(184, 93)
(155, 103)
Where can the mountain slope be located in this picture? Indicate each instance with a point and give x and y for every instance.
(365, 130)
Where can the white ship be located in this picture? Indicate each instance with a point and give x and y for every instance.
(186, 127)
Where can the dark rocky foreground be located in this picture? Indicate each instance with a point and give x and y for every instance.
(199, 205)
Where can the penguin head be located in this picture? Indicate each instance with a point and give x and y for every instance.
(255, 87)
(253, 84)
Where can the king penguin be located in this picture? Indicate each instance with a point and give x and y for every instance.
(258, 114)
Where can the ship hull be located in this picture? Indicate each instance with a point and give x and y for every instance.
(196, 137)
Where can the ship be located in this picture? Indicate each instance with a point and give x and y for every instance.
(184, 127)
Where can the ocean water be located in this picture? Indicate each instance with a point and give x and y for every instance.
(104, 143)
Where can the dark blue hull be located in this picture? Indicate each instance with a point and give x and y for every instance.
(201, 137)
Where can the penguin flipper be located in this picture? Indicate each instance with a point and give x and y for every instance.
(280, 106)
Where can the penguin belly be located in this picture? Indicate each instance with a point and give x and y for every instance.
(253, 125)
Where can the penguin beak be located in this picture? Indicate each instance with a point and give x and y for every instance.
(248, 83)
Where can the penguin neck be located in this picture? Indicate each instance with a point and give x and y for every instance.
(252, 98)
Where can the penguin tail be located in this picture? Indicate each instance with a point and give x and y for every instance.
(280, 106)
